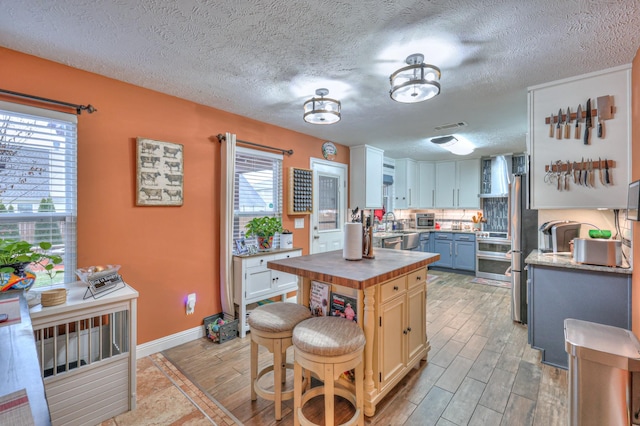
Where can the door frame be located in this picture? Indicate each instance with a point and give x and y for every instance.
(313, 161)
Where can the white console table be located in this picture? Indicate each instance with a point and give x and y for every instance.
(253, 281)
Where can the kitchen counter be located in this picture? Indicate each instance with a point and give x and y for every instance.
(559, 288)
(391, 296)
(19, 366)
(566, 261)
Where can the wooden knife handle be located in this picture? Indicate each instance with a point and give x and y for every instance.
(567, 131)
(551, 126)
(558, 132)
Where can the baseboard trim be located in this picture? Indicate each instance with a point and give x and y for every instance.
(168, 342)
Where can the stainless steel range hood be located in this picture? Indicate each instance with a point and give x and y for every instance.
(500, 177)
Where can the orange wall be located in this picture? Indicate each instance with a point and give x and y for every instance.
(165, 252)
(635, 175)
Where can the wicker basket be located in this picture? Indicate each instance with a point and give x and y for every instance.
(53, 297)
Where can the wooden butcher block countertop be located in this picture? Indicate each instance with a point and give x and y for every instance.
(330, 267)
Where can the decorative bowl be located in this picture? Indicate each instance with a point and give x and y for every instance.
(96, 271)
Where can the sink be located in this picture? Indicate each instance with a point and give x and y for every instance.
(410, 240)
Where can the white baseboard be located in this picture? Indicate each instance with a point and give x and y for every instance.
(168, 342)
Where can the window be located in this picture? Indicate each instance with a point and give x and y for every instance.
(258, 188)
(38, 183)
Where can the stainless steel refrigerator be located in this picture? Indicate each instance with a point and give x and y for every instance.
(524, 239)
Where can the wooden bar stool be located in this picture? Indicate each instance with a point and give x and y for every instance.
(328, 346)
(271, 326)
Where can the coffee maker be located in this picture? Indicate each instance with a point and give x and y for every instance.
(555, 236)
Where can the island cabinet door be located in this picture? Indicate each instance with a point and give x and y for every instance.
(392, 348)
(417, 326)
(258, 282)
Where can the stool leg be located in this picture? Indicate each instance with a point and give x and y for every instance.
(359, 392)
(297, 392)
(254, 369)
(328, 395)
(277, 377)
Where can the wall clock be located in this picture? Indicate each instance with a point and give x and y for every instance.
(329, 150)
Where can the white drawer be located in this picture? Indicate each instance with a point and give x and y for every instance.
(259, 261)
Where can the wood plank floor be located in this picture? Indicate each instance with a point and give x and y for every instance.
(480, 370)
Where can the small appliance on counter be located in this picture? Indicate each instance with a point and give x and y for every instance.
(556, 236)
(597, 251)
(424, 220)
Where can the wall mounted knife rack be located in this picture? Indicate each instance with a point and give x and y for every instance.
(594, 164)
(574, 115)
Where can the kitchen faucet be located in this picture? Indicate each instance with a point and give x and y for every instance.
(385, 220)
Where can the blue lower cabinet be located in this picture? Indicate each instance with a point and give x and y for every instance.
(457, 250)
(443, 245)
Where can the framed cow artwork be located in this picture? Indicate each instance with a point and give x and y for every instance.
(159, 173)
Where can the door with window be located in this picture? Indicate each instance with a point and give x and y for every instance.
(330, 201)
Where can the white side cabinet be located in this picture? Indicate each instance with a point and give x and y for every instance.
(87, 354)
(365, 187)
(253, 281)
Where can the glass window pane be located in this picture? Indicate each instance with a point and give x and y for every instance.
(328, 203)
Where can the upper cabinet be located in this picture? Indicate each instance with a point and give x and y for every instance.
(574, 181)
(365, 183)
(426, 184)
(406, 184)
(457, 184)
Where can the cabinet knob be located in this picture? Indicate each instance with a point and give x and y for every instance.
(418, 278)
(395, 288)
(409, 328)
(405, 332)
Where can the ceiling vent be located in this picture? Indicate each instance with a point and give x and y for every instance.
(449, 126)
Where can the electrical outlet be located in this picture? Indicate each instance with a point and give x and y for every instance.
(191, 303)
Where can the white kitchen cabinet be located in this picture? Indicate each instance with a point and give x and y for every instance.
(426, 184)
(406, 184)
(468, 184)
(365, 182)
(402, 307)
(458, 184)
(253, 281)
(614, 146)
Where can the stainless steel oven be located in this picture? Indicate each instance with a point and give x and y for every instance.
(493, 256)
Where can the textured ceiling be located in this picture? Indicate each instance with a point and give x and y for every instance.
(263, 58)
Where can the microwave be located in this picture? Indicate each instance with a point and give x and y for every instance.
(425, 220)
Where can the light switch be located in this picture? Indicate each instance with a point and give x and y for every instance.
(299, 223)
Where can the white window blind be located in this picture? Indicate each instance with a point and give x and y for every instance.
(38, 183)
(258, 188)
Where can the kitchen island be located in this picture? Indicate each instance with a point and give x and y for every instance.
(561, 288)
(391, 295)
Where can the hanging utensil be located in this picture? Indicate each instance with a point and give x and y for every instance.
(567, 173)
(576, 173)
(578, 121)
(559, 125)
(592, 176)
(551, 126)
(587, 125)
(567, 124)
(607, 174)
(604, 113)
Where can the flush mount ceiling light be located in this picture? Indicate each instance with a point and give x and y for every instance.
(416, 82)
(454, 145)
(322, 110)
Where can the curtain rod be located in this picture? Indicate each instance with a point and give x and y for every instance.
(79, 108)
(222, 137)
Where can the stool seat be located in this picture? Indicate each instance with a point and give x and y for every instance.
(328, 336)
(278, 317)
(328, 347)
(271, 326)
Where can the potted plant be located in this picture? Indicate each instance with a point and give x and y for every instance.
(16, 256)
(264, 228)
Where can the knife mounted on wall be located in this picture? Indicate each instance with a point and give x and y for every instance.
(587, 125)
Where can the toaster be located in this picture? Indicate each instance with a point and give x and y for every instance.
(597, 251)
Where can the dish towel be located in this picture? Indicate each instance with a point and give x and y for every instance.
(15, 409)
